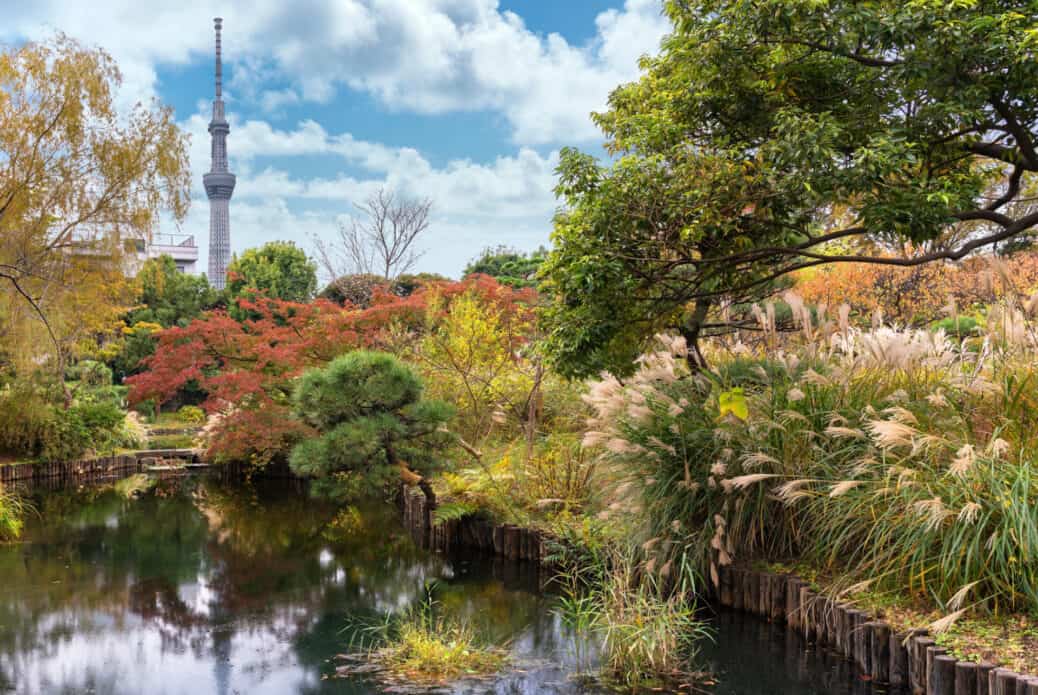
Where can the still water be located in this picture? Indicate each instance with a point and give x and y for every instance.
(198, 587)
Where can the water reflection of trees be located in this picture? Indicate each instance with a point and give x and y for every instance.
(263, 575)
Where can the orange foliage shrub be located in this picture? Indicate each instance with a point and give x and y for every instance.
(916, 296)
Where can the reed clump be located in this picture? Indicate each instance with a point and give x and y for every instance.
(646, 630)
(12, 514)
(424, 646)
(901, 457)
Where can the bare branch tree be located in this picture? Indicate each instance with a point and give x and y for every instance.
(379, 241)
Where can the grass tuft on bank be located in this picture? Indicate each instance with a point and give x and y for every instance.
(423, 646)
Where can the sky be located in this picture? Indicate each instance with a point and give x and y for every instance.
(466, 102)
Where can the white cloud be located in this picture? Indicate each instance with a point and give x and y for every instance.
(429, 56)
(424, 56)
(506, 201)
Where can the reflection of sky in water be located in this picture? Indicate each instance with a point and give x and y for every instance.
(226, 591)
(198, 588)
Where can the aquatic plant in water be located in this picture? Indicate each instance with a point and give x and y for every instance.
(423, 646)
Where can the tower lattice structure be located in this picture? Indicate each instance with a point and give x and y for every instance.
(219, 182)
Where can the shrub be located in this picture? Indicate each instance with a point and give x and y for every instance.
(354, 290)
(91, 373)
(192, 414)
(34, 427)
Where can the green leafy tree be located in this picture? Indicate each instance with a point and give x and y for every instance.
(170, 297)
(509, 266)
(775, 135)
(278, 269)
(375, 428)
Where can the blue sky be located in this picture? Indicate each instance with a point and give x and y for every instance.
(466, 102)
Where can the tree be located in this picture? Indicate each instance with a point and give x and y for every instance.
(278, 270)
(245, 369)
(509, 266)
(773, 136)
(475, 356)
(169, 297)
(382, 242)
(77, 183)
(375, 427)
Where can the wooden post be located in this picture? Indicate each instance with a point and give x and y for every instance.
(965, 678)
(748, 582)
(778, 597)
(793, 603)
(724, 592)
(932, 652)
(864, 643)
(898, 660)
(832, 627)
(1005, 681)
(943, 675)
(880, 653)
(753, 600)
(1032, 686)
(984, 670)
(807, 618)
(917, 659)
(736, 575)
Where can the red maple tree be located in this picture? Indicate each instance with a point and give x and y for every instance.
(246, 365)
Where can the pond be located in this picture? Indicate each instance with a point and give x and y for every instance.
(198, 586)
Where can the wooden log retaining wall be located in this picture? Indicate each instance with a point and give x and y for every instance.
(84, 470)
(505, 540)
(912, 661)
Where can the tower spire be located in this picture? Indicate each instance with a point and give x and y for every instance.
(219, 182)
(218, 23)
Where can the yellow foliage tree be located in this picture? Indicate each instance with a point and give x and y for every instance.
(471, 356)
(80, 185)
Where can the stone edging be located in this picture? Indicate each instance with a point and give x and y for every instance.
(909, 660)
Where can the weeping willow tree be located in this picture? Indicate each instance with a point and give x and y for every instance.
(81, 186)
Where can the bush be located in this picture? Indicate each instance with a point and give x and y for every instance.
(91, 373)
(356, 291)
(374, 424)
(32, 427)
(192, 414)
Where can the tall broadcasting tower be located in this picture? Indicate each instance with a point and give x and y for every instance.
(219, 183)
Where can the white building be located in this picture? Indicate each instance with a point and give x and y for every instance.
(180, 246)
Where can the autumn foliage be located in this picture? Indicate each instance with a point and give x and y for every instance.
(246, 368)
(919, 295)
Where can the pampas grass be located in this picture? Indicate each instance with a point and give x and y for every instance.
(893, 455)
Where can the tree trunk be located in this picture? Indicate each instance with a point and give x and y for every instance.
(691, 330)
(430, 496)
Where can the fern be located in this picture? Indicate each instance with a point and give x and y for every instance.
(451, 511)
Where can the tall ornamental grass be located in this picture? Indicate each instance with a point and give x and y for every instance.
(899, 457)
